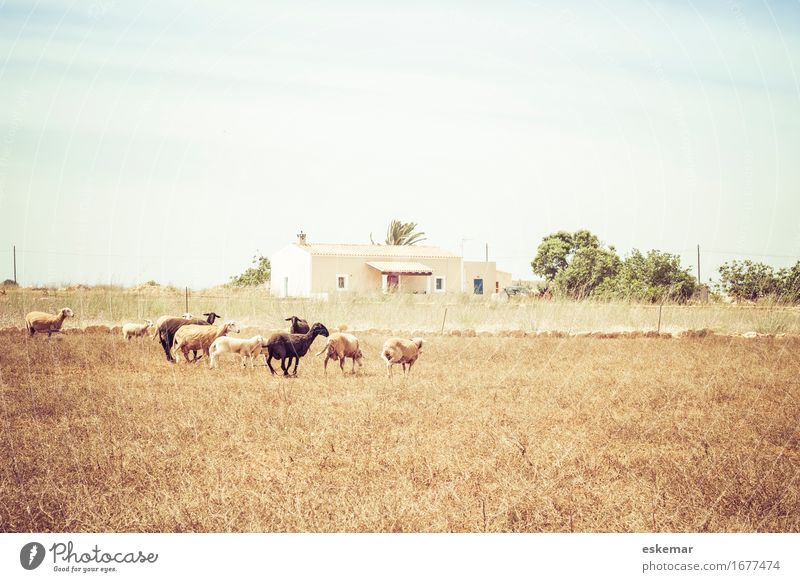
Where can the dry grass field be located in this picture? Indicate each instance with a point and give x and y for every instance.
(492, 434)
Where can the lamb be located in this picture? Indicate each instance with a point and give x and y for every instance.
(199, 337)
(45, 322)
(298, 325)
(401, 351)
(288, 346)
(130, 330)
(246, 348)
(165, 330)
(341, 346)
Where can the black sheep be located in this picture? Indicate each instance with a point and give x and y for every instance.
(288, 346)
(298, 325)
(166, 331)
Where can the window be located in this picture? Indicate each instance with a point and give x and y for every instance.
(342, 282)
(438, 284)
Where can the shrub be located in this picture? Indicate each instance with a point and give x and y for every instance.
(654, 277)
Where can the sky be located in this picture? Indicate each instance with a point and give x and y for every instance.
(172, 141)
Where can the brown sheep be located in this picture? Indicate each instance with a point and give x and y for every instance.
(401, 351)
(45, 322)
(199, 337)
(341, 346)
(298, 325)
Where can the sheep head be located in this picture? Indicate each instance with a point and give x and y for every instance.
(319, 329)
(419, 341)
(230, 327)
(66, 312)
(211, 317)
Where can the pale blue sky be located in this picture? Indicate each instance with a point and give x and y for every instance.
(169, 141)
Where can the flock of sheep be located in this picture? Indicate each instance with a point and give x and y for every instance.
(181, 335)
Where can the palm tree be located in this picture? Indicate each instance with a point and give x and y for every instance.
(402, 233)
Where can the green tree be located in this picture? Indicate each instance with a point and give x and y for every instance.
(747, 280)
(789, 282)
(653, 277)
(256, 275)
(402, 233)
(553, 254)
(556, 251)
(576, 261)
(587, 269)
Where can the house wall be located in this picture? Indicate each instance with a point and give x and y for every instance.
(504, 278)
(290, 265)
(480, 270)
(365, 279)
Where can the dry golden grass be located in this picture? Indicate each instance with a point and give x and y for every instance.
(491, 434)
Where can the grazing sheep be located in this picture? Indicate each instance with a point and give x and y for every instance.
(248, 349)
(199, 337)
(45, 322)
(298, 325)
(168, 325)
(340, 346)
(130, 330)
(401, 351)
(288, 346)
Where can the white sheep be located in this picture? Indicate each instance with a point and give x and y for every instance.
(340, 346)
(401, 351)
(130, 330)
(199, 337)
(45, 322)
(248, 349)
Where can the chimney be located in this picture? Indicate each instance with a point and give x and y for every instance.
(301, 239)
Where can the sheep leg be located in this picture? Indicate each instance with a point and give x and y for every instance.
(268, 360)
(325, 366)
(341, 365)
(296, 361)
(284, 367)
(404, 368)
(165, 343)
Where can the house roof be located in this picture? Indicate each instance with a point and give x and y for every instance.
(389, 251)
(402, 267)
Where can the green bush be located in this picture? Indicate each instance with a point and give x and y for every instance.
(654, 277)
(749, 281)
